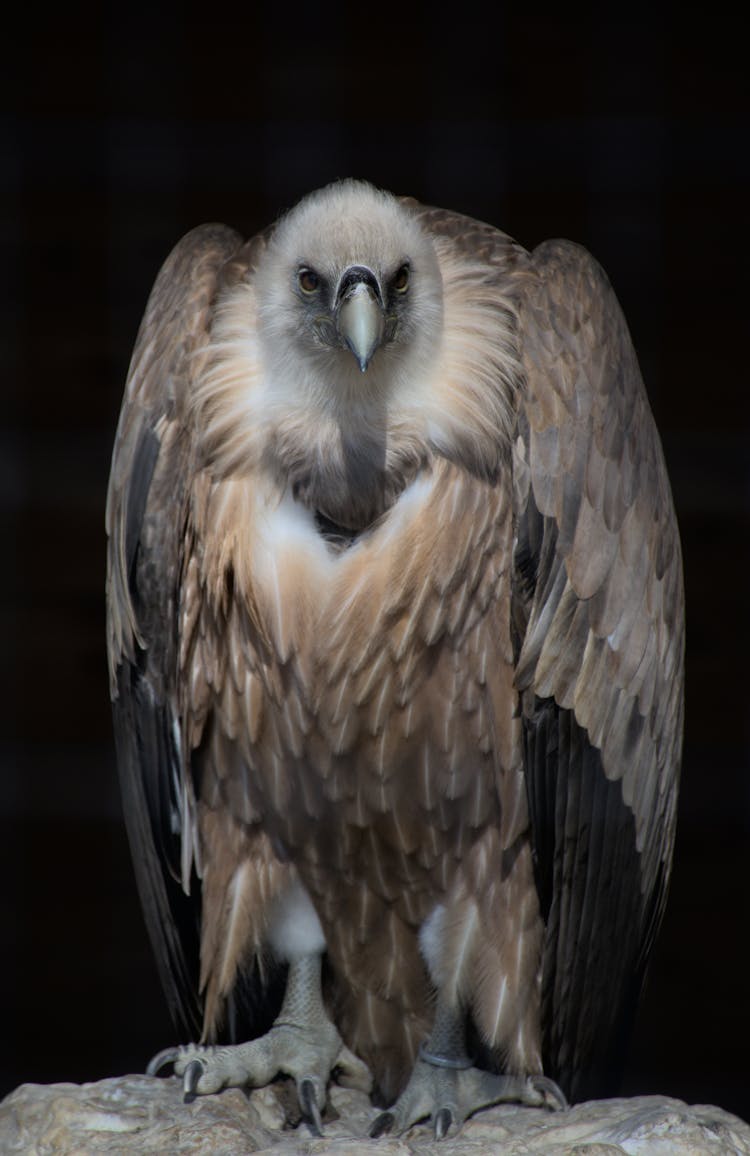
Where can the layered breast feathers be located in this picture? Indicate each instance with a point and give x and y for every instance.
(358, 693)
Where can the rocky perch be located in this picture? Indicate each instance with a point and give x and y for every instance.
(145, 1115)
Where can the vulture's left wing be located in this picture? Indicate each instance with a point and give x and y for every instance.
(146, 516)
(598, 633)
(598, 623)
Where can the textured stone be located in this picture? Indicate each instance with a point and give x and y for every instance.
(141, 1115)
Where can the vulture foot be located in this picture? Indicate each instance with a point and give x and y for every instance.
(448, 1095)
(308, 1054)
(446, 1088)
(303, 1043)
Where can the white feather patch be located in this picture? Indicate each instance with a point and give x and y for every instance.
(294, 929)
(431, 935)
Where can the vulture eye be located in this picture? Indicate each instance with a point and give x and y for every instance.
(401, 280)
(308, 280)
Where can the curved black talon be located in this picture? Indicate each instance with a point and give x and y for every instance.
(382, 1124)
(309, 1106)
(190, 1079)
(443, 1121)
(160, 1060)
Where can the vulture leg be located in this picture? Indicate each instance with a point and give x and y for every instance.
(302, 1043)
(445, 1086)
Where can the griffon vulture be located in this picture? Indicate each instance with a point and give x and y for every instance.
(395, 626)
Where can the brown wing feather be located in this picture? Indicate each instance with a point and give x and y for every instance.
(146, 504)
(610, 647)
(174, 327)
(599, 625)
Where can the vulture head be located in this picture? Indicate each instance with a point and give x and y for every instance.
(350, 294)
(345, 359)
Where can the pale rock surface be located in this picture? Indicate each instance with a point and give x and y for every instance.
(146, 1116)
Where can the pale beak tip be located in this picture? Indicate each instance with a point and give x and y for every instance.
(362, 359)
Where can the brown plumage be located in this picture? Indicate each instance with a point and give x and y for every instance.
(411, 637)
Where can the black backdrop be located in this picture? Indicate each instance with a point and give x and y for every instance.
(128, 125)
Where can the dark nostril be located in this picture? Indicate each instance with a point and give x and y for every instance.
(358, 275)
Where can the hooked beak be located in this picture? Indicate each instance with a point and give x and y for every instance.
(360, 317)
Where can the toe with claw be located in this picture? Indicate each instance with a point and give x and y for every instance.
(287, 1049)
(446, 1088)
(303, 1043)
(447, 1096)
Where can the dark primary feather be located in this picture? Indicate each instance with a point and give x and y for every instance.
(589, 879)
(144, 461)
(146, 761)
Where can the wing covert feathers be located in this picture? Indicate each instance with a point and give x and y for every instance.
(145, 519)
(605, 639)
(598, 621)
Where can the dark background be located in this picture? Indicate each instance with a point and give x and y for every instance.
(129, 125)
